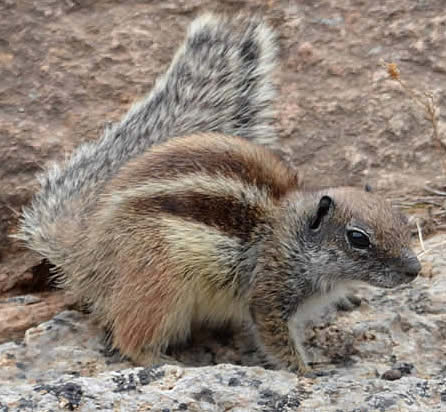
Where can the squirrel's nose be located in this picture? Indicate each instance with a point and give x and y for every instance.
(412, 267)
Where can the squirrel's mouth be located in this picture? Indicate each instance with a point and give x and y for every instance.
(400, 271)
(391, 279)
(412, 268)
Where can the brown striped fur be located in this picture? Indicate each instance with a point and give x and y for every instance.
(214, 155)
(209, 228)
(161, 232)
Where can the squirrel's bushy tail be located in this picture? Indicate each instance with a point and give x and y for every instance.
(220, 80)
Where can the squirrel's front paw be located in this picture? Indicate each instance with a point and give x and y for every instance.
(300, 369)
(298, 366)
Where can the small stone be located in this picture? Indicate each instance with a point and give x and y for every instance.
(305, 50)
(391, 375)
(234, 382)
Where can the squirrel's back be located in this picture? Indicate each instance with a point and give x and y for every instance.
(218, 81)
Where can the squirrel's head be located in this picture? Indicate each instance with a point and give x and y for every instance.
(352, 234)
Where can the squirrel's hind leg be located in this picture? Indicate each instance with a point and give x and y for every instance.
(148, 312)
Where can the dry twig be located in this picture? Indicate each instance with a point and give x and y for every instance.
(420, 235)
(426, 101)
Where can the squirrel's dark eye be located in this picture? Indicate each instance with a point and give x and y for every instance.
(358, 239)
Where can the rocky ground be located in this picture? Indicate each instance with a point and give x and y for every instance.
(67, 68)
(388, 355)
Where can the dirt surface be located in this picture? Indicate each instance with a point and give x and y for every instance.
(69, 67)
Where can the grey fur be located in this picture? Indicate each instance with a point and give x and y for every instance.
(219, 80)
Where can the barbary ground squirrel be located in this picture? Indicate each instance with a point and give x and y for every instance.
(179, 215)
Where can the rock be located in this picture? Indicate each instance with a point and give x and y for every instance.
(391, 375)
(19, 313)
(222, 387)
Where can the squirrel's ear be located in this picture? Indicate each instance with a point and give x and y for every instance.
(323, 208)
